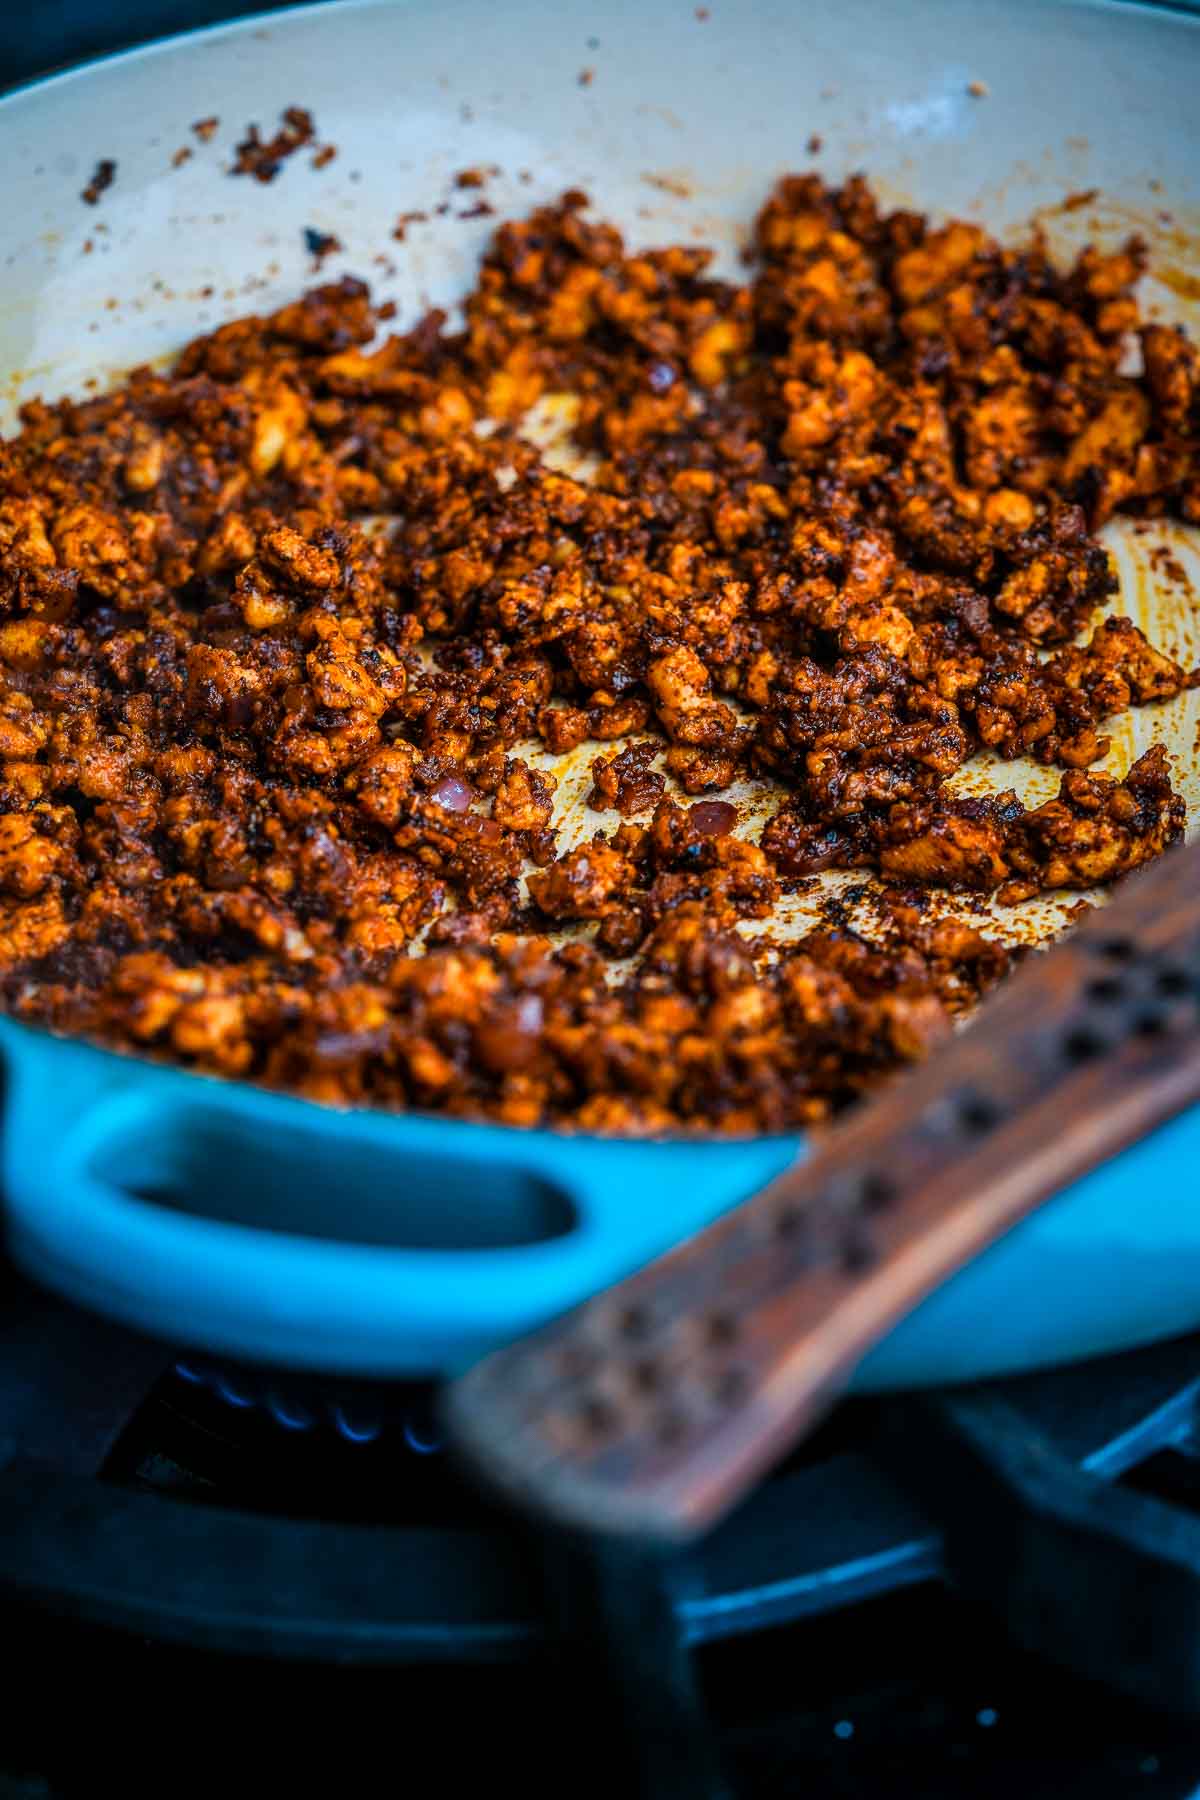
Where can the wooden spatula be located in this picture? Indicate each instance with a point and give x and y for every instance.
(652, 1408)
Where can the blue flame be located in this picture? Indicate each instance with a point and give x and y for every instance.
(233, 1395)
(291, 1416)
(358, 1431)
(424, 1442)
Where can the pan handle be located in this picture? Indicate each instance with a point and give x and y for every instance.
(221, 1217)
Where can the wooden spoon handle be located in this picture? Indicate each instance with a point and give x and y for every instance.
(653, 1407)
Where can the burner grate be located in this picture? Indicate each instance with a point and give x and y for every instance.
(232, 1511)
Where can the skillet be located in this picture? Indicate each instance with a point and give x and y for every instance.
(242, 1222)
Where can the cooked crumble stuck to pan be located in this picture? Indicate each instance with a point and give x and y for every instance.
(278, 780)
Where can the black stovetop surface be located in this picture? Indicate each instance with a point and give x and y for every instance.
(914, 1696)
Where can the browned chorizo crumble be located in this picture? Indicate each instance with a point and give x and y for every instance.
(103, 176)
(400, 230)
(840, 532)
(320, 244)
(264, 159)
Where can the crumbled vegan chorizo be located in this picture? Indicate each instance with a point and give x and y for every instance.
(626, 781)
(103, 176)
(840, 533)
(320, 244)
(264, 158)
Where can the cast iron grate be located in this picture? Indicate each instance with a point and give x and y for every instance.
(134, 1496)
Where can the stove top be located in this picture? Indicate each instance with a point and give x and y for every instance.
(984, 1591)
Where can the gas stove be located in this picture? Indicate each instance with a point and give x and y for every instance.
(979, 1592)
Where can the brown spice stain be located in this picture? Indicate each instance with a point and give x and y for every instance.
(1180, 281)
(676, 184)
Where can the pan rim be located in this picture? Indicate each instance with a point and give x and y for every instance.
(1186, 11)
